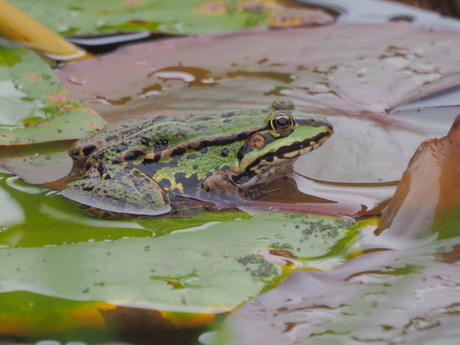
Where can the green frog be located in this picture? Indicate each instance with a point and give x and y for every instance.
(134, 167)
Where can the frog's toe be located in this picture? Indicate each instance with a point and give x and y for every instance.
(108, 198)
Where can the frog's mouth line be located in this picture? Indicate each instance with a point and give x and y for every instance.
(300, 148)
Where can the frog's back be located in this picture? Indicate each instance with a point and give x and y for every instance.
(163, 136)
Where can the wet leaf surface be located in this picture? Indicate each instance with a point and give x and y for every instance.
(321, 69)
(176, 17)
(404, 296)
(212, 262)
(211, 267)
(35, 107)
(38, 164)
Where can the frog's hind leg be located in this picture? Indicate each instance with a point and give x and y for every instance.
(134, 194)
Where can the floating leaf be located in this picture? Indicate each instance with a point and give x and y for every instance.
(407, 296)
(39, 164)
(174, 16)
(205, 265)
(34, 106)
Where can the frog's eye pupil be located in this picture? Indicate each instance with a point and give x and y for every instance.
(282, 123)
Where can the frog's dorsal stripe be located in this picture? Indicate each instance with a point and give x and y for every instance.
(197, 144)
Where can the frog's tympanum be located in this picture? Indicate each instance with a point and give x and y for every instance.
(135, 166)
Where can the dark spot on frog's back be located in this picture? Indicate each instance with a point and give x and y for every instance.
(161, 144)
(87, 150)
(181, 133)
(230, 113)
(119, 148)
(131, 155)
(227, 120)
(224, 152)
(199, 127)
(144, 141)
(111, 137)
(204, 118)
(192, 156)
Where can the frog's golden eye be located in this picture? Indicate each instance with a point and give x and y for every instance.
(282, 123)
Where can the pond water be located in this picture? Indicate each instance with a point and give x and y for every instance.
(304, 264)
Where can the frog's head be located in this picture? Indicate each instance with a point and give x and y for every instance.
(287, 134)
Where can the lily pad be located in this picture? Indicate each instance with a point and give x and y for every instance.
(35, 107)
(205, 265)
(335, 70)
(210, 270)
(40, 163)
(175, 16)
(406, 296)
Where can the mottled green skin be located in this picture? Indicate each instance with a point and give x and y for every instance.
(133, 167)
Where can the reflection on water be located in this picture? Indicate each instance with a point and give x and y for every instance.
(12, 212)
(367, 198)
(36, 216)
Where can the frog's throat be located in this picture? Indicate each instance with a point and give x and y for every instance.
(291, 152)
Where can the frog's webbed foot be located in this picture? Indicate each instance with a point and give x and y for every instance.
(134, 194)
(220, 185)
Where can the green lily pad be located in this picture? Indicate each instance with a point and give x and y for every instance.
(210, 270)
(39, 163)
(208, 264)
(34, 106)
(67, 17)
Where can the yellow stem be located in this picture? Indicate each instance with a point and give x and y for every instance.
(19, 27)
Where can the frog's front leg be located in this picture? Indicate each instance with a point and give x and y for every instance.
(131, 192)
(226, 185)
